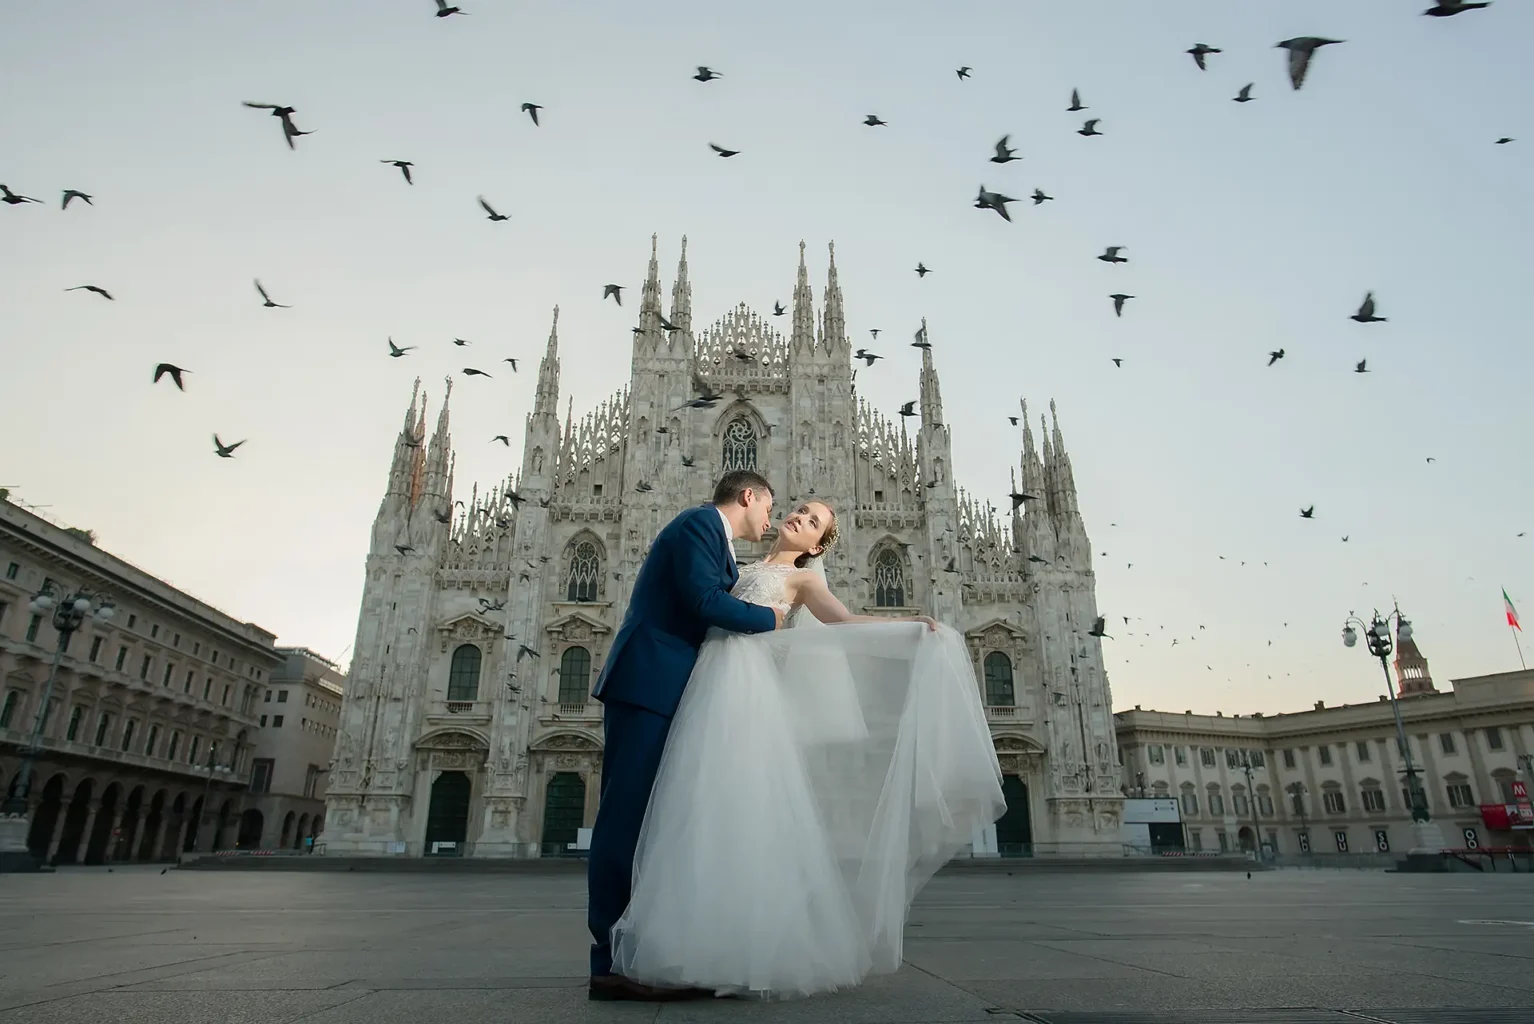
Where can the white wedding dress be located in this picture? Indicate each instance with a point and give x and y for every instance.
(812, 782)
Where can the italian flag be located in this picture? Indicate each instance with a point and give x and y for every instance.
(1512, 613)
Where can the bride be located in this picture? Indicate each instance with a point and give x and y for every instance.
(813, 780)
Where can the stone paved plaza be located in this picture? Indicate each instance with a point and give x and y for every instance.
(135, 945)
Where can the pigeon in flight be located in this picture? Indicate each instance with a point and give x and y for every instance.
(963, 72)
(1099, 627)
(1245, 95)
(1040, 197)
(872, 120)
(1111, 255)
(1365, 314)
(513, 363)
(443, 10)
(1119, 298)
(501, 438)
(1301, 49)
(460, 342)
(1076, 103)
(222, 450)
(922, 270)
(1503, 141)
(726, 153)
(404, 168)
(1090, 128)
(71, 194)
(706, 74)
(614, 292)
(531, 110)
(874, 331)
(285, 114)
(396, 351)
(469, 371)
(1118, 361)
(403, 549)
(491, 211)
(266, 300)
(1275, 356)
(1449, 8)
(91, 288)
(994, 201)
(778, 309)
(1199, 51)
(908, 409)
(1003, 153)
(1308, 513)
(921, 337)
(867, 356)
(1362, 366)
(1018, 497)
(175, 374)
(12, 199)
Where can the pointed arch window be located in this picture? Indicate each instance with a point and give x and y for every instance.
(889, 580)
(739, 451)
(998, 681)
(585, 573)
(463, 675)
(575, 676)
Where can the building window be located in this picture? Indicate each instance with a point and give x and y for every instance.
(1180, 756)
(263, 721)
(128, 734)
(12, 570)
(1195, 840)
(1297, 802)
(75, 717)
(1333, 802)
(1504, 783)
(32, 627)
(312, 781)
(143, 669)
(169, 671)
(1493, 736)
(1239, 805)
(739, 445)
(1446, 742)
(261, 775)
(1460, 795)
(463, 676)
(132, 621)
(153, 742)
(1257, 758)
(175, 744)
(1288, 758)
(1363, 751)
(282, 696)
(276, 721)
(1265, 805)
(999, 692)
(574, 675)
(102, 724)
(191, 751)
(1374, 801)
(1223, 840)
(8, 709)
(1216, 803)
(3, 609)
(1189, 803)
(197, 648)
(1156, 753)
(585, 574)
(95, 647)
(1324, 752)
(225, 701)
(1206, 757)
(1231, 760)
(889, 579)
(268, 698)
(122, 656)
(154, 631)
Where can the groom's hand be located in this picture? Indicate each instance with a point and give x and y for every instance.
(781, 616)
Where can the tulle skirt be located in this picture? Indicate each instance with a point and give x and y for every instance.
(813, 781)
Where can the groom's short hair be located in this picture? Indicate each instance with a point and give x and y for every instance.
(736, 482)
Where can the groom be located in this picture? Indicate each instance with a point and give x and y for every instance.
(682, 589)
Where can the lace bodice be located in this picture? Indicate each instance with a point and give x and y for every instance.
(761, 583)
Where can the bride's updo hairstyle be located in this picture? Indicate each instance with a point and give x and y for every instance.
(827, 539)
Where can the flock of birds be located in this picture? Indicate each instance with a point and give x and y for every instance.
(1300, 55)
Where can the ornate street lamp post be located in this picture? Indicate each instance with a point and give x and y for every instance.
(1377, 637)
(69, 613)
(1251, 796)
(1296, 791)
(213, 768)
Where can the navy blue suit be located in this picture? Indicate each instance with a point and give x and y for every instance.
(682, 589)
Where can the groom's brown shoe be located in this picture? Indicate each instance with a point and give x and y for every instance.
(617, 988)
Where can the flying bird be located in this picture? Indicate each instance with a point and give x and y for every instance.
(396, 351)
(908, 409)
(1090, 128)
(921, 337)
(725, 153)
(1018, 497)
(92, 288)
(524, 651)
(1365, 314)
(706, 74)
(460, 342)
(12, 199)
(1040, 197)
(222, 450)
(469, 371)
(266, 300)
(1099, 625)
(513, 363)
(72, 194)
(872, 120)
(501, 438)
(614, 292)
(1362, 366)
(1500, 142)
(963, 72)
(1003, 153)
(443, 10)
(867, 356)
(1118, 361)
(1449, 8)
(1301, 50)
(285, 115)
(994, 201)
(404, 168)
(531, 110)
(1199, 51)
(491, 211)
(1119, 298)
(1111, 255)
(403, 549)
(175, 374)
(1308, 513)
(1076, 103)
(1275, 356)
(778, 309)
(1245, 95)
(922, 270)
(687, 460)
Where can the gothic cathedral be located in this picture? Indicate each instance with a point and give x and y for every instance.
(468, 727)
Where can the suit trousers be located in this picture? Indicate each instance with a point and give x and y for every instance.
(634, 741)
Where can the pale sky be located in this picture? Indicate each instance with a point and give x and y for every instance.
(1249, 227)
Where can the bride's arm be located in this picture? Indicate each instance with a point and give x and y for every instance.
(811, 591)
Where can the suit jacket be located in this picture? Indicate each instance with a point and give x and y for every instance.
(682, 589)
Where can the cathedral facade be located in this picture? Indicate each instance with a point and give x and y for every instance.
(468, 726)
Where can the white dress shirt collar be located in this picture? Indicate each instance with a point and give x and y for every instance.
(729, 531)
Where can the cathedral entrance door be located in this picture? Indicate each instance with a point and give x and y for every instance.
(564, 809)
(1014, 830)
(447, 819)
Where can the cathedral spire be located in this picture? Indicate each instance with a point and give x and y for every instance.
(833, 320)
(931, 396)
(400, 469)
(546, 397)
(803, 339)
(1412, 675)
(440, 454)
(1038, 531)
(1063, 477)
(681, 297)
(649, 299)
